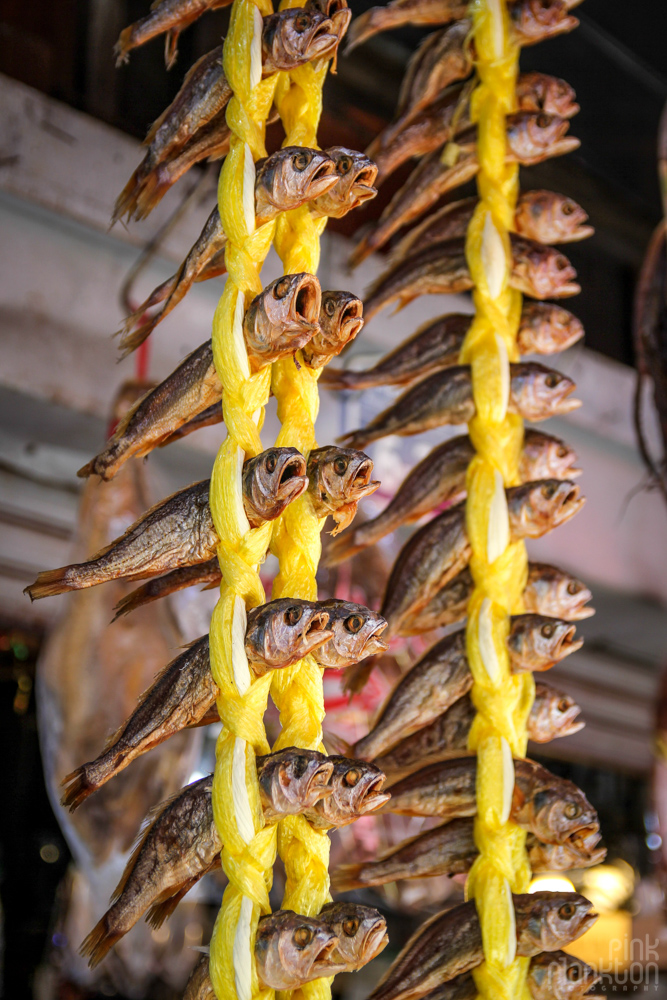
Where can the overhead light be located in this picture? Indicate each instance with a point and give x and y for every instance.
(551, 883)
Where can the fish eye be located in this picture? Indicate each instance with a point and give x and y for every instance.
(567, 911)
(551, 380)
(301, 161)
(329, 307)
(563, 705)
(352, 777)
(282, 288)
(548, 490)
(354, 624)
(572, 810)
(301, 22)
(543, 121)
(562, 262)
(350, 926)
(548, 630)
(293, 615)
(573, 588)
(562, 452)
(302, 936)
(573, 973)
(271, 462)
(344, 165)
(567, 208)
(340, 465)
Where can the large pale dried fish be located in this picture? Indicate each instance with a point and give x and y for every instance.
(531, 138)
(440, 478)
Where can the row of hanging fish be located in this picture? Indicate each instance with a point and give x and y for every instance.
(418, 740)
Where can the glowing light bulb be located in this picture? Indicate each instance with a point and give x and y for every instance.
(551, 883)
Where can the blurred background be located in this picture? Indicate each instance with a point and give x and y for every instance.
(70, 132)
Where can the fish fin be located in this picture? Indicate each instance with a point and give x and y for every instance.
(98, 943)
(356, 677)
(49, 583)
(130, 340)
(171, 47)
(362, 250)
(337, 378)
(122, 47)
(78, 789)
(346, 877)
(163, 909)
(88, 469)
(135, 599)
(355, 439)
(336, 744)
(340, 550)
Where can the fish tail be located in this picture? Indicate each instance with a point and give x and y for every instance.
(121, 49)
(88, 469)
(78, 789)
(340, 378)
(126, 200)
(346, 877)
(51, 582)
(136, 599)
(131, 339)
(171, 48)
(356, 439)
(362, 250)
(99, 942)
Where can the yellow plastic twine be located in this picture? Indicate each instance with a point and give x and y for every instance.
(298, 691)
(249, 846)
(499, 567)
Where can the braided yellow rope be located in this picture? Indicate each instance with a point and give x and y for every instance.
(249, 847)
(499, 567)
(298, 691)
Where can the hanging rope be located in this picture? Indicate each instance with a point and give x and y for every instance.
(499, 568)
(298, 691)
(249, 846)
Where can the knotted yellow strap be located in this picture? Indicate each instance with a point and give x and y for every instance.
(250, 846)
(298, 691)
(499, 567)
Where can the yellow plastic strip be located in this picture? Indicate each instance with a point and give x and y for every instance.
(499, 568)
(249, 846)
(298, 691)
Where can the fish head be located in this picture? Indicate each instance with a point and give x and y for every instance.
(296, 36)
(291, 176)
(272, 480)
(552, 591)
(361, 932)
(282, 319)
(541, 92)
(532, 136)
(536, 508)
(356, 634)
(535, 20)
(539, 392)
(341, 319)
(562, 857)
(287, 947)
(340, 14)
(549, 217)
(555, 919)
(547, 457)
(357, 791)
(543, 270)
(356, 179)
(293, 779)
(547, 329)
(282, 632)
(557, 976)
(554, 714)
(338, 478)
(557, 811)
(536, 642)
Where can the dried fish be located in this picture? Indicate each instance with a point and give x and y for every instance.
(356, 175)
(283, 181)
(283, 631)
(536, 393)
(170, 16)
(531, 138)
(441, 549)
(356, 634)
(361, 932)
(357, 791)
(544, 329)
(341, 319)
(338, 478)
(179, 530)
(440, 478)
(291, 949)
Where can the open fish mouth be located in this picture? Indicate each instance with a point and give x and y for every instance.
(323, 39)
(375, 940)
(316, 631)
(374, 643)
(318, 783)
(361, 484)
(306, 303)
(570, 722)
(564, 145)
(568, 500)
(370, 796)
(566, 643)
(293, 480)
(584, 840)
(351, 319)
(322, 179)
